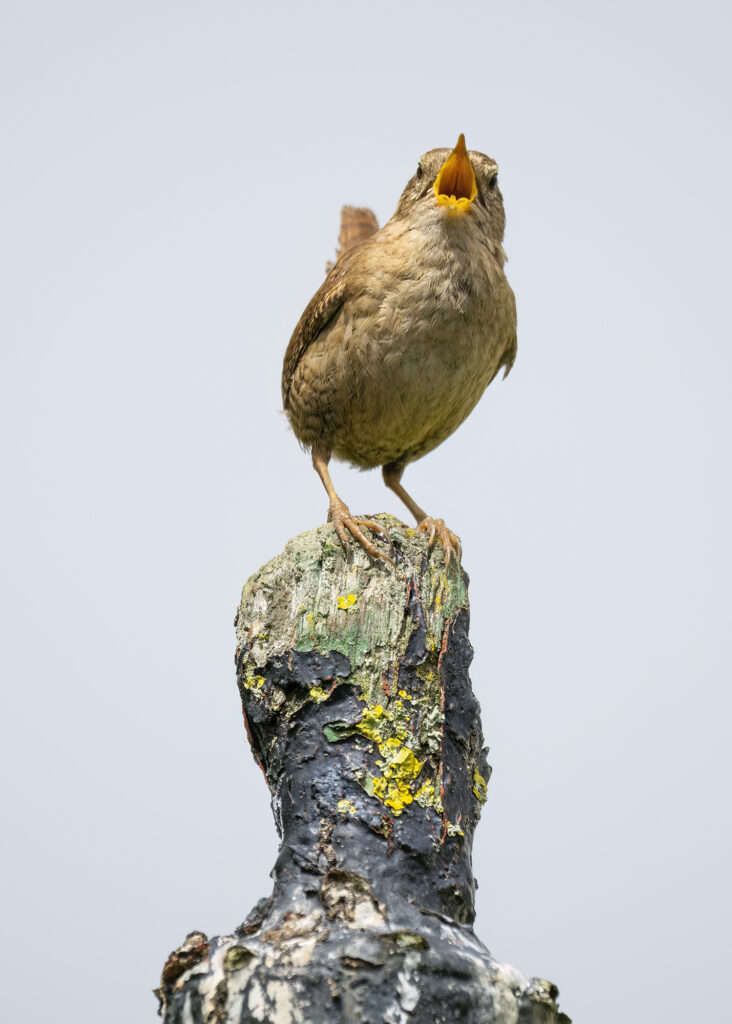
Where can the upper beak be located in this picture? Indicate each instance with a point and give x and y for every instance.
(455, 185)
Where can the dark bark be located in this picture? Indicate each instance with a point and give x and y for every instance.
(359, 710)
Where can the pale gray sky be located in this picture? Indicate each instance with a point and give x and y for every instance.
(172, 176)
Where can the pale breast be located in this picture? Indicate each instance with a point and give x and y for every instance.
(400, 367)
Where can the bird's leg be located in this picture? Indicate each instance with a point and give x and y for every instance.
(435, 528)
(339, 514)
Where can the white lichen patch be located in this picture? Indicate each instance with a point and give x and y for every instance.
(257, 1001)
(407, 994)
(283, 1002)
(348, 898)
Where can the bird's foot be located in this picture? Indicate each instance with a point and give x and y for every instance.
(437, 530)
(340, 516)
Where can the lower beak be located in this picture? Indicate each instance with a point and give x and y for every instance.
(455, 185)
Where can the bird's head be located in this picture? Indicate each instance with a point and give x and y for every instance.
(459, 183)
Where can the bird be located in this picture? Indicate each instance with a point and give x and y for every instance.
(411, 324)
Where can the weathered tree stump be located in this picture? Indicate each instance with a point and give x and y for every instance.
(359, 710)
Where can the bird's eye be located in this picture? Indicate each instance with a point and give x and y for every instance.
(493, 182)
(420, 172)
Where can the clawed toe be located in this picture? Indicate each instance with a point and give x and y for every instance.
(436, 530)
(345, 523)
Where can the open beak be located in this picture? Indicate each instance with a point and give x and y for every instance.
(455, 185)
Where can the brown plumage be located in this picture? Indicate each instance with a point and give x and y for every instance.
(408, 329)
(357, 224)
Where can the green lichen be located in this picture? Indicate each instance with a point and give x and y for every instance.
(311, 598)
(334, 732)
(430, 729)
(428, 796)
(408, 940)
(375, 624)
(236, 958)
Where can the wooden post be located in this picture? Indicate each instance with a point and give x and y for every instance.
(359, 710)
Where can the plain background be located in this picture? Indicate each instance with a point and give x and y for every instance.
(171, 182)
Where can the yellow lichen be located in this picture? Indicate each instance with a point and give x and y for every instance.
(318, 694)
(370, 726)
(399, 765)
(397, 797)
(480, 786)
(346, 807)
(379, 785)
(406, 764)
(252, 681)
(400, 768)
(347, 602)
